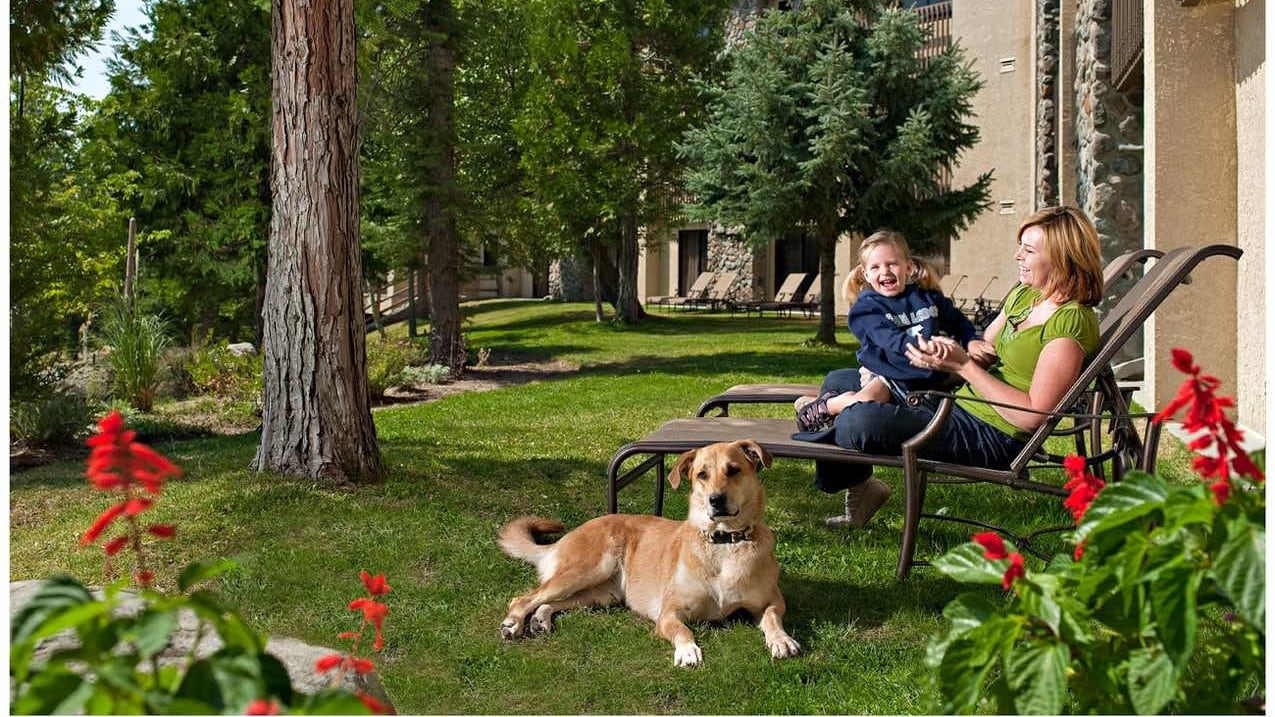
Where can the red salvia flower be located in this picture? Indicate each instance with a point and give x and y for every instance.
(361, 665)
(1079, 552)
(1084, 487)
(162, 531)
(349, 635)
(1221, 490)
(993, 546)
(145, 577)
(117, 461)
(374, 584)
(1205, 414)
(114, 546)
(373, 612)
(262, 707)
(1014, 571)
(374, 704)
(327, 662)
(101, 522)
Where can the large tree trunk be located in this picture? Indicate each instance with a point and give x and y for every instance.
(827, 282)
(628, 308)
(316, 415)
(446, 345)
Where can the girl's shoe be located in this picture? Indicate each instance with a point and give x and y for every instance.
(862, 502)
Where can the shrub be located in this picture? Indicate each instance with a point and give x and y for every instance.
(1162, 605)
(386, 360)
(58, 420)
(431, 373)
(103, 674)
(137, 342)
(218, 371)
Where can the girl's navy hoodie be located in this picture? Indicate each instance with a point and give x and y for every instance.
(885, 325)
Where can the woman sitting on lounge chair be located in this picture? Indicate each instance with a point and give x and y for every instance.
(1043, 335)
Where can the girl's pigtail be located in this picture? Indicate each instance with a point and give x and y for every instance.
(854, 283)
(923, 274)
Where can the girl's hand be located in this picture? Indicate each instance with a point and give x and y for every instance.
(938, 354)
(981, 352)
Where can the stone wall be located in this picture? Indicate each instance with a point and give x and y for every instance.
(571, 280)
(728, 251)
(1047, 69)
(1109, 136)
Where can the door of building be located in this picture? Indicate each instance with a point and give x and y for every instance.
(692, 257)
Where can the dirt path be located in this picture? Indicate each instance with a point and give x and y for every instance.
(481, 378)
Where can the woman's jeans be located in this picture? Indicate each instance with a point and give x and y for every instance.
(882, 428)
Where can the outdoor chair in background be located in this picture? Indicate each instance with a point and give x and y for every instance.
(987, 304)
(786, 293)
(718, 294)
(950, 284)
(699, 289)
(1092, 408)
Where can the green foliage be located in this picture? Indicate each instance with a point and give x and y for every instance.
(215, 370)
(136, 341)
(114, 669)
(1164, 611)
(188, 121)
(431, 373)
(59, 419)
(386, 359)
(46, 37)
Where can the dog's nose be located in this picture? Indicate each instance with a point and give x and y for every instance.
(717, 502)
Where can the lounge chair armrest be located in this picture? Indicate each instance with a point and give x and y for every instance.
(916, 397)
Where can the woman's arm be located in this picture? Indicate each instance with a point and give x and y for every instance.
(1056, 370)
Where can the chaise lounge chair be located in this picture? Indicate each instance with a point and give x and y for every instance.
(786, 293)
(1095, 389)
(699, 290)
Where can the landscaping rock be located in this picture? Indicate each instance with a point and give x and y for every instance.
(297, 656)
(244, 348)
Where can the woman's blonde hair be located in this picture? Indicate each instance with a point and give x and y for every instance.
(922, 274)
(1074, 254)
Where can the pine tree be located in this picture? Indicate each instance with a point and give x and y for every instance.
(827, 120)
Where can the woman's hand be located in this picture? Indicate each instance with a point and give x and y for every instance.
(937, 354)
(982, 352)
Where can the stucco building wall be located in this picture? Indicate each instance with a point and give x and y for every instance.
(1250, 77)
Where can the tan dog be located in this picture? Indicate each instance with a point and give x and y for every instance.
(719, 560)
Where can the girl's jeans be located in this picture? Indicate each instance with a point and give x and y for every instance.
(882, 428)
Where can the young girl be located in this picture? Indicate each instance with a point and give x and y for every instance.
(895, 300)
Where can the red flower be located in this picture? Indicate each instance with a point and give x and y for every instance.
(1080, 551)
(373, 612)
(1183, 361)
(1083, 485)
(162, 531)
(135, 506)
(1221, 490)
(361, 665)
(117, 461)
(116, 545)
(145, 577)
(993, 546)
(349, 635)
(374, 704)
(100, 524)
(262, 707)
(327, 662)
(375, 585)
(1014, 571)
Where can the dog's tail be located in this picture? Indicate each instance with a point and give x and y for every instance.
(520, 538)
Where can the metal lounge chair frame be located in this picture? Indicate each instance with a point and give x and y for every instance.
(718, 293)
(786, 292)
(1130, 447)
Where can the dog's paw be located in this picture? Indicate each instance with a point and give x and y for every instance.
(687, 655)
(783, 646)
(541, 623)
(511, 629)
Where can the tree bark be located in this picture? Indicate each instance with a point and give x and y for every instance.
(316, 415)
(446, 344)
(827, 282)
(628, 309)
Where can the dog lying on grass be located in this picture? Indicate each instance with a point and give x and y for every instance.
(721, 559)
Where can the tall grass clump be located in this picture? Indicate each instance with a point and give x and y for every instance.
(137, 342)
(56, 420)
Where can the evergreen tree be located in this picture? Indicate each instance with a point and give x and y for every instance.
(827, 121)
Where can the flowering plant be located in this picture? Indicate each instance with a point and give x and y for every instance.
(1161, 606)
(123, 659)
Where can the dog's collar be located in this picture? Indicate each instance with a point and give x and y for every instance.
(729, 536)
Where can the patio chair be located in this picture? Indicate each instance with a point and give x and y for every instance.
(699, 289)
(786, 293)
(1095, 387)
(719, 293)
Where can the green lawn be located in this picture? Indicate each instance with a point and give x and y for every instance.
(461, 467)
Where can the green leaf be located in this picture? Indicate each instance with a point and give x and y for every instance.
(203, 570)
(966, 612)
(152, 631)
(1037, 599)
(1038, 678)
(199, 685)
(1240, 570)
(1188, 506)
(1152, 680)
(237, 674)
(1173, 603)
(1135, 496)
(60, 603)
(332, 702)
(963, 671)
(966, 564)
(53, 690)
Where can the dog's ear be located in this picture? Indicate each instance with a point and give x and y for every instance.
(759, 456)
(681, 467)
